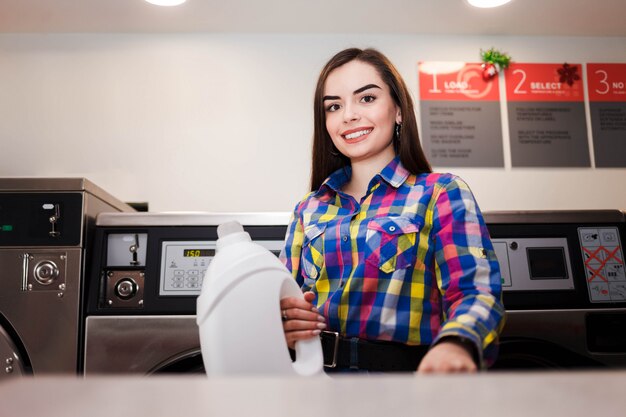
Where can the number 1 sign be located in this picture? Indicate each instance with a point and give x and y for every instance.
(460, 115)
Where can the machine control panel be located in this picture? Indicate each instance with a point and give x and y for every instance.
(184, 264)
(604, 264)
(528, 264)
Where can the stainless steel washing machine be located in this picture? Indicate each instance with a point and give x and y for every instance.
(563, 282)
(564, 288)
(45, 227)
(141, 293)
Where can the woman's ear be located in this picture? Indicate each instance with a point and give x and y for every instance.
(399, 116)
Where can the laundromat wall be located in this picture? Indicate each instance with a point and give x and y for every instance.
(223, 122)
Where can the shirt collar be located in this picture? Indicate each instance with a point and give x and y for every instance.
(394, 173)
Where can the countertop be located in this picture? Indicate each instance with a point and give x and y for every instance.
(528, 394)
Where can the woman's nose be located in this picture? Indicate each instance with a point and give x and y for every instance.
(350, 114)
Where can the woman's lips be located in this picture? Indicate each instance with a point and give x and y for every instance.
(356, 135)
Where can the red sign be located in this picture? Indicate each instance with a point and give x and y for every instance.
(456, 81)
(544, 82)
(606, 82)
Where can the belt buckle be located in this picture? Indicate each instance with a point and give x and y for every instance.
(335, 349)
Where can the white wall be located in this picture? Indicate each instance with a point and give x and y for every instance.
(224, 122)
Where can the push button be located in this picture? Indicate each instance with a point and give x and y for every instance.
(46, 272)
(126, 289)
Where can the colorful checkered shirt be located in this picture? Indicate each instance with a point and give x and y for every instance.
(412, 262)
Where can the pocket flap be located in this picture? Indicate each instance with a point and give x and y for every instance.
(312, 231)
(393, 225)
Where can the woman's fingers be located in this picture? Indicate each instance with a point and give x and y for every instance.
(301, 320)
(295, 308)
(298, 325)
(293, 337)
(290, 314)
(296, 302)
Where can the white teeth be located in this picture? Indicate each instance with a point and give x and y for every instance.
(357, 134)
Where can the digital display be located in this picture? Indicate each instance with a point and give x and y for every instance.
(198, 253)
(547, 263)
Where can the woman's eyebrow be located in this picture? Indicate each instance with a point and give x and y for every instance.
(365, 87)
(357, 91)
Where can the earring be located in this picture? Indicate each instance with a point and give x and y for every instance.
(398, 127)
(333, 153)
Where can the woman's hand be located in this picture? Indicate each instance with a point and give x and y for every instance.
(447, 357)
(301, 320)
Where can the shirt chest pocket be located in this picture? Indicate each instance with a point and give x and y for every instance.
(312, 258)
(391, 243)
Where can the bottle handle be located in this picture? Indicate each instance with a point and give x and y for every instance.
(309, 356)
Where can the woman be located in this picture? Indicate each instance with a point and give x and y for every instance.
(396, 263)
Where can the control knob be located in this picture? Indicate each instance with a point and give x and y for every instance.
(126, 288)
(46, 272)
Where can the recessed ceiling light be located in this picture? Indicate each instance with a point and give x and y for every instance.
(166, 2)
(487, 3)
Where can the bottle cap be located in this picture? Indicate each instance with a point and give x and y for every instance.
(229, 228)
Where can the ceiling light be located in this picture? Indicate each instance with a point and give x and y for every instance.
(166, 2)
(487, 3)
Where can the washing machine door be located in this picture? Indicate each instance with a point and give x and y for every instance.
(12, 365)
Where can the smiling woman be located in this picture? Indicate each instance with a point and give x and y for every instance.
(396, 263)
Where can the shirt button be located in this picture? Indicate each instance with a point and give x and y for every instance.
(392, 228)
(345, 238)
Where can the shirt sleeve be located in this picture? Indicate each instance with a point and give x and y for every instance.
(467, 271)
(290, 255)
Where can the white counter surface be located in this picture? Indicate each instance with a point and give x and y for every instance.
(531, 394)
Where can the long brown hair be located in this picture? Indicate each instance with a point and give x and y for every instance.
(326, 158)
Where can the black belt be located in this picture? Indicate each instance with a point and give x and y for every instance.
(354, 353)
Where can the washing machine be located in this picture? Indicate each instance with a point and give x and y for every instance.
(564, 288)
(562, 274)
(147, 271)
(45, 230)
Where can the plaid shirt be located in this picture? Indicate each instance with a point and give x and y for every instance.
(412, 262)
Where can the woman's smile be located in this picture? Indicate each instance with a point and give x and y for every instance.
(356, 135)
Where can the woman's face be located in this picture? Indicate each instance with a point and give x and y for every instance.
(360, 113)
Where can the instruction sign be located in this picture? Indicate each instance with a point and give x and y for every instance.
(546, 112)
(460, 115)
(604, 264)
(606, 84)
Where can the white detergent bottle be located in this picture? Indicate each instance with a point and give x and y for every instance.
(238, 312)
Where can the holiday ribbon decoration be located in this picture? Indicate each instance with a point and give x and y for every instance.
(568, 74)
(493, 62)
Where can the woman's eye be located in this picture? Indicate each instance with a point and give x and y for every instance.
(332, 107)
(368, 99)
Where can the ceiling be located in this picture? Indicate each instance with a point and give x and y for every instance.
(451, 17)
